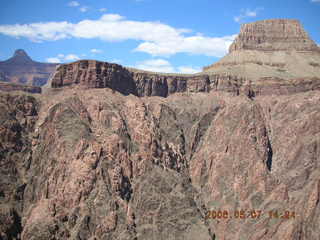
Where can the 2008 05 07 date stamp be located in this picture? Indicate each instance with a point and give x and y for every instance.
(251, 214)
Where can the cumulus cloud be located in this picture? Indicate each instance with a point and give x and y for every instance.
(95, 51)
(74, 4)
(164, 66)
(60, 58)
(247, 13)
(38, 32)
(156, 38)
(195, 45)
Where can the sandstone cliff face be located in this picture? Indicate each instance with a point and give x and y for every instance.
(273, 35)
(21, 69)
(95, 74)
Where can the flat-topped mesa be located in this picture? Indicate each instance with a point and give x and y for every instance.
(96, 74)
(273, 35)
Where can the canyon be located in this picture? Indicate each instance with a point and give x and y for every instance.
(109, 152)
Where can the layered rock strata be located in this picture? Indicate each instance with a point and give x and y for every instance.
(276, 49)
(95, 74)
(273, 35)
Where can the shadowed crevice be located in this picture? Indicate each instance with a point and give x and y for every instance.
(269, 156)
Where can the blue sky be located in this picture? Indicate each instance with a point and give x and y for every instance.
(158, 35)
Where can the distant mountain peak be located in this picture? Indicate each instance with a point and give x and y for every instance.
(21, 56)
(21, 69)
(20, 53)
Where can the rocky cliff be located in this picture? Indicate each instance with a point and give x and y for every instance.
(95, 164)
(273, 35)
(218, 156)
(95, 74)
(21, 69)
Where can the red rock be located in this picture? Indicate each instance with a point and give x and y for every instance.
(86, 162)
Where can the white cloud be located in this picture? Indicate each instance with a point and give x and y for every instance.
(38, 32)
(63, 58)
(156, 38)
(102, 10)
(53, 60)
(74, 4)
(164, 66)
(84, 9)
(246, 13)
(95, 51)
(194, 45)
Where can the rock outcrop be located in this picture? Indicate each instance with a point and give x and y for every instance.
(218, 156)
(21, 69)
(95, 74)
